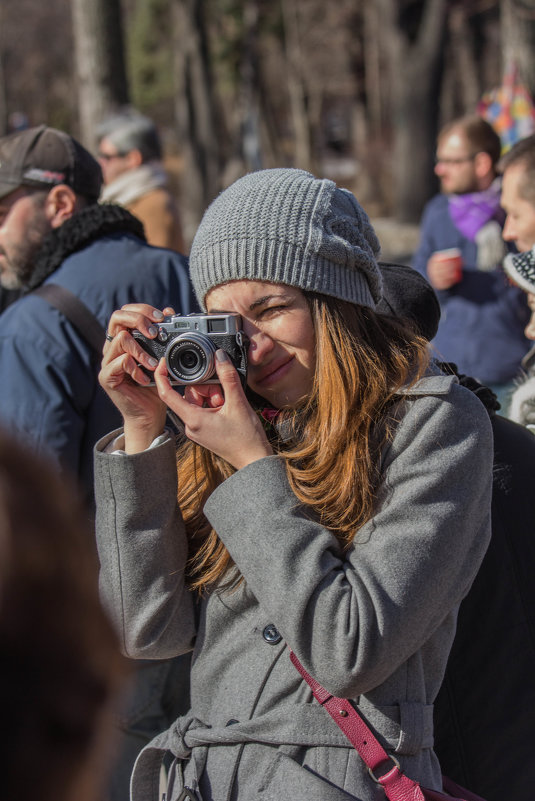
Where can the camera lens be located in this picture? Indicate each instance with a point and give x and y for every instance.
(190, 358)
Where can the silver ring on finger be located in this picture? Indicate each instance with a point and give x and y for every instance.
(109, 337)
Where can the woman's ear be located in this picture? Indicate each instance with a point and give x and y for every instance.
(60, 205)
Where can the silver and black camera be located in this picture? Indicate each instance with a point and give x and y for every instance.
(189, 344)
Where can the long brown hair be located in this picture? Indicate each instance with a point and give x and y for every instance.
(333, 458)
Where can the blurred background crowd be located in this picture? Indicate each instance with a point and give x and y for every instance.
(352, 90)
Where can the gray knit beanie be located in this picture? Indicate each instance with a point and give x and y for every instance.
(286, 226)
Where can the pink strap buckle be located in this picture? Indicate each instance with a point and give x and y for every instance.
(379, 780)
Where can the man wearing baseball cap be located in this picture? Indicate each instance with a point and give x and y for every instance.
(54, 232)
(58, 156)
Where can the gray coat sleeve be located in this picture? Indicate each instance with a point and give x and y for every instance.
(353, 618)
(142, 549)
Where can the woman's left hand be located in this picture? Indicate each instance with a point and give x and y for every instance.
(218, 416)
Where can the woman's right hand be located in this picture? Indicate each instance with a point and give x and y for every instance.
(125, 382)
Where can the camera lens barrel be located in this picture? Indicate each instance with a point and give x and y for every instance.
(190, 358)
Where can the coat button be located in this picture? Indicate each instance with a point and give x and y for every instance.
(271, 634)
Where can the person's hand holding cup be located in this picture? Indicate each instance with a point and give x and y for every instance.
(445, 268)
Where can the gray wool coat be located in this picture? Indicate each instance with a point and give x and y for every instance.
(373, 624)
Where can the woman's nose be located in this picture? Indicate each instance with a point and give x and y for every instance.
(260, 344)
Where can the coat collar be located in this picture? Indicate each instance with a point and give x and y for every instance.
(93, 222)
(434, 382)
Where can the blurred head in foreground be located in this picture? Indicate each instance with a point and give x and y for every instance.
(59, 657)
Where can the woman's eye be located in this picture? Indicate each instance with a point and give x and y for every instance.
(271, 310)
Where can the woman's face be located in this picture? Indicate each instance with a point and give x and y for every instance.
(277, 320)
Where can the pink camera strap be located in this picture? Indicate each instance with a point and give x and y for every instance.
(396, 785)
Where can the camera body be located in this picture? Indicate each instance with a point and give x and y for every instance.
(189, 343)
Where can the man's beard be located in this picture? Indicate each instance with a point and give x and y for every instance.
(460, 188)
(20, 260)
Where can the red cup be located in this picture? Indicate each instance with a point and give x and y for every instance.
(451, 256)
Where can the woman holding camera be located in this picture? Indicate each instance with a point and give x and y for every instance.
(338, 507)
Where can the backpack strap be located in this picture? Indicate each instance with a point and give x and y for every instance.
(76, 312)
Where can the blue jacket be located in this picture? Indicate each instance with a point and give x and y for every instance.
(483, 317)
(50, 393)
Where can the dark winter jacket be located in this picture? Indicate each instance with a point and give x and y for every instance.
(483, 317)
(485, 710)
(48, 373)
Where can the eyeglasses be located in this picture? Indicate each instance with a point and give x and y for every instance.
(110, 156)
(454, 162)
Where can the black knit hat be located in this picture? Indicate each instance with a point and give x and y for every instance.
(44, 157)
(407, 294)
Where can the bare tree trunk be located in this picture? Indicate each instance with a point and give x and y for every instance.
(3, 108)
(273, 155)
(296, 84)
(518, 38)
(197, 119)
(3, 104)
(463, 46)
(370, 168)
(372, 66)
(100, 64)
(250, 99)
(368, 117)
(460, 88)
(415, 72)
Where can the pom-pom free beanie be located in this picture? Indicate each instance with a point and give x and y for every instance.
(286, 226)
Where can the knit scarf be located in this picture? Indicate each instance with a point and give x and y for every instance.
(133, 184)
(93, 222)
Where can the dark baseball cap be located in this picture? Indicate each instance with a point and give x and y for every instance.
(44, 157)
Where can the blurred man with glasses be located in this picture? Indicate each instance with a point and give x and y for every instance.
(461, 252)
(130, 157)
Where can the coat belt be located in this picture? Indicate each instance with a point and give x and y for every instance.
(404, 729)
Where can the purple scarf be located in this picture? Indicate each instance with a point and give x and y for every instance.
(473, 210)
